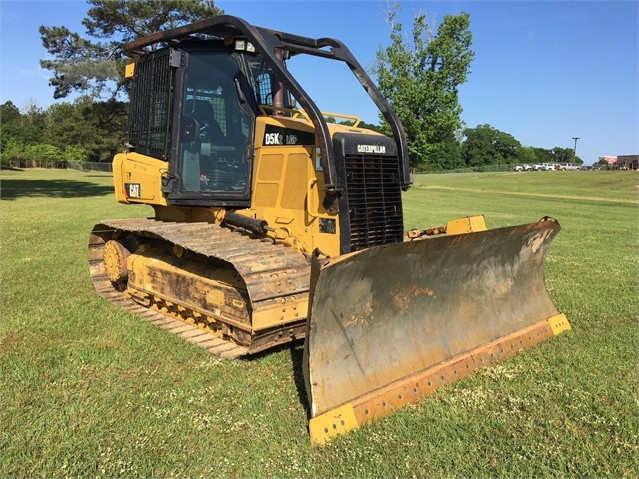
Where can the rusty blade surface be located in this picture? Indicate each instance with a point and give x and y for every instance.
(385, 313)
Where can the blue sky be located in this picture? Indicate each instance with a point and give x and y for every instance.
(544, 71)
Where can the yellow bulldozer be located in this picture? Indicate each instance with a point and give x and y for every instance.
(271, 225)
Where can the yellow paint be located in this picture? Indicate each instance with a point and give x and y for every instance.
(294, 188)
(328, 425)
(469, 224)
(289, 309)
(270, 167)
(134, 168)
(559, 324)
(215, 297)
(265, 195)
(286, 186)
(129, 70)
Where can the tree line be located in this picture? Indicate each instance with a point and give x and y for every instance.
(70, 134)
(419, 72)
(63, 135)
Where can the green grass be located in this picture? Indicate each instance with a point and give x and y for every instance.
(91, 391)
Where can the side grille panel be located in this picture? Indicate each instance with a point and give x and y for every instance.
(151, 106)
(374, 200)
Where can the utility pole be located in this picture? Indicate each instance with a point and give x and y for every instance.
(574, 151)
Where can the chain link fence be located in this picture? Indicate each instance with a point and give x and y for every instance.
(97, 166)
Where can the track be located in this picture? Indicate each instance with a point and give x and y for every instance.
(276, 279)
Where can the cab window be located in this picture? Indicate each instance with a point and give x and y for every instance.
(216, 131)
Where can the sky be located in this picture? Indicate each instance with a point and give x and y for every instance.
(544, 71)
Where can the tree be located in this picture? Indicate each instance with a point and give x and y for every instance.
(65, 133)
(485, 145)
(44, 155)
(9, 113)
(421, 79)
(527, 155)
(12, 135)
(370, 126)
(13, 152)
(95, 65)
(98, 127)
(543, 155)
(449, 155)
(563, 155)
(27, 128)
(75, 156)
(10, 145)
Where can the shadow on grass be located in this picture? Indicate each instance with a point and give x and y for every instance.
(297, 357)
(297, 354)
(12, 189)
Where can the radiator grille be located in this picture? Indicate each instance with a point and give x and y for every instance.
(374, 200)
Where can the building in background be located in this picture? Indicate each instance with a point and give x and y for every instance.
(628, 162)
(611, 160)
(621, 162)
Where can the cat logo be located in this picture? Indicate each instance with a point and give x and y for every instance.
(133, 190)
(371, 149)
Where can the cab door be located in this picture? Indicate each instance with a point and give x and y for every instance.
(215, 137)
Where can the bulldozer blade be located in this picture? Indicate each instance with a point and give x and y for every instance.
(390, 324)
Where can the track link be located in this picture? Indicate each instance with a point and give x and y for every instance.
(274, 275)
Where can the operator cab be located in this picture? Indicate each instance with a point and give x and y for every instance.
(200, 117)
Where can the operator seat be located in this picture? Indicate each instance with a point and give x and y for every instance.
(202, 112)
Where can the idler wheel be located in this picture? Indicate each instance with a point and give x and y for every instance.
(115, 256)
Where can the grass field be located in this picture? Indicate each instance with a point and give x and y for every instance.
(91, 391)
